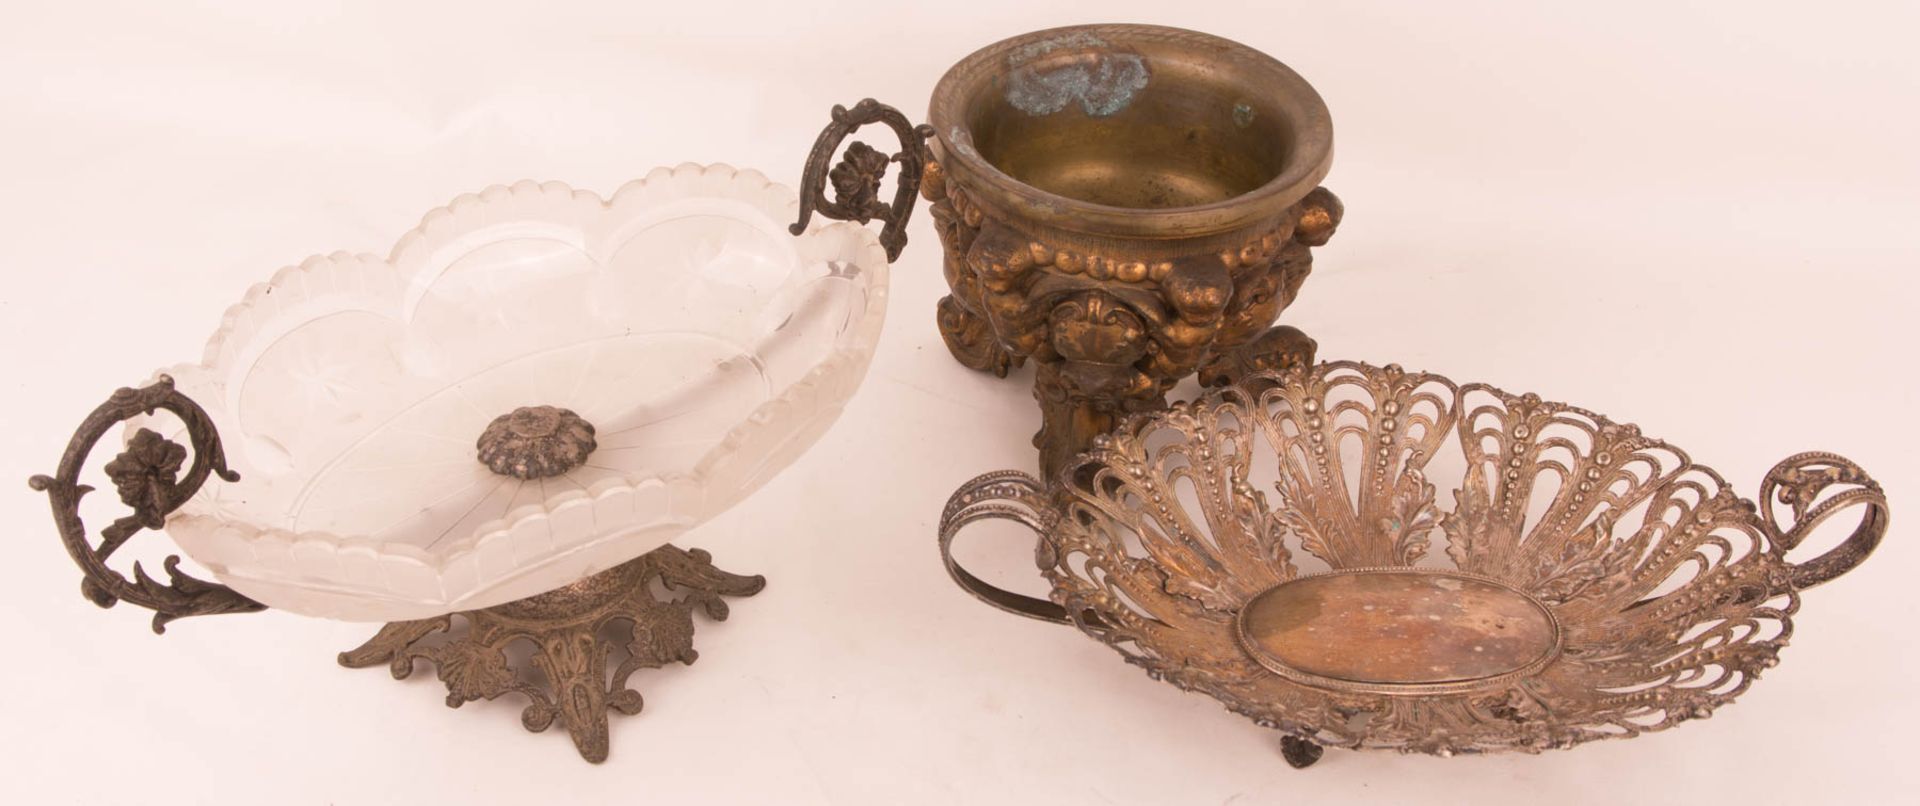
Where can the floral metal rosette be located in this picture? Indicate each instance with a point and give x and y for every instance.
(1281, 546)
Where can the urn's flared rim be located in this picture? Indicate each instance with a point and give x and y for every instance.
(1308, 161)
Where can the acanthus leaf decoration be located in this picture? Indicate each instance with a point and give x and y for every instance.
(662, 635)
(1588, 559)
(1470, 526)
(471, 671)
(1414, 517)
(1295, 514)
(566, 678)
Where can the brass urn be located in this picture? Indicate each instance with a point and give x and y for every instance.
(1123, 205)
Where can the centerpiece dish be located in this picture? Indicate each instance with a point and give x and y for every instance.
(1279, 545)
(509, 417)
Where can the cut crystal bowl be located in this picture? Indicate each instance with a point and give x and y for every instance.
(1279, 545)
(636, 365)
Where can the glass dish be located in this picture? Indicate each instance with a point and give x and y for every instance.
(705, 345)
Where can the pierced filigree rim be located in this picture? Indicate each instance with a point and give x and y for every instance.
(1658, 621)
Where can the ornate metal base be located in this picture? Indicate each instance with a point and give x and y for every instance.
(1112, 334)
(569, 652)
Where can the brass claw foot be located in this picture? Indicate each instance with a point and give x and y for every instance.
(1300, 753)
(564, 626)
(1280, 348)
(970, 339)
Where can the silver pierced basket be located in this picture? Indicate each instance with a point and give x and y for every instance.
(1280, 546)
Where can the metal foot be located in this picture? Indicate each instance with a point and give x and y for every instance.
(1300, 753)
(1279, 348)
(565, 627)
(970, 339)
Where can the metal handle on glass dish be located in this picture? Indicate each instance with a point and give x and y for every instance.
(1008, 495)
(1801, 483)
(146, 474)
(856, 179)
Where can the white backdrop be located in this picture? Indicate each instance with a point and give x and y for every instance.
(1696, 217)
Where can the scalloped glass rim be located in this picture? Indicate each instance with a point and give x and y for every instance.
(552, 539)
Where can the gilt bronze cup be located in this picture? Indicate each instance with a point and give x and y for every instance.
(1124, 205)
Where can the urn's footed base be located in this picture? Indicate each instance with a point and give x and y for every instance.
(1069, 422)
(569, 679)
(1280, 348)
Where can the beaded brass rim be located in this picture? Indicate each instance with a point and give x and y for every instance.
(1251, 89)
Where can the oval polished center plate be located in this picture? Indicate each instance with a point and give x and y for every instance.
(1400, 629)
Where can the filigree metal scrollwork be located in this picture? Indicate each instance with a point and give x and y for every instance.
(565, 628)
(146, 475)
(856, 179)
(1658, 593)
(1801, 483)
